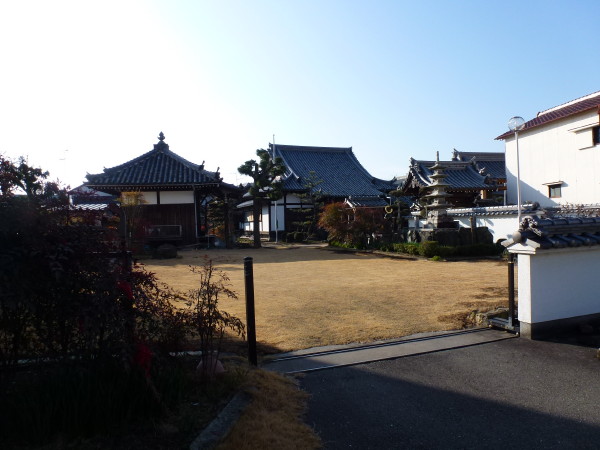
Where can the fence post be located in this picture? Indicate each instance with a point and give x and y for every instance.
(250, 319)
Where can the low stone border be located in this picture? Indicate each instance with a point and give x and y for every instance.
(220, 427)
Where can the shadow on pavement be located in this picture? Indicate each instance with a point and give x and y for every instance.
(508, 394)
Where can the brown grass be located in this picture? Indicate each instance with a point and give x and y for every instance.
(274, 417)
(308, 297)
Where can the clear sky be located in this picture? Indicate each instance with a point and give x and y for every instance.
(89, 84)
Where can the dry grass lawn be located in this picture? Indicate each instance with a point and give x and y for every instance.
(308, 297)
(274, 418)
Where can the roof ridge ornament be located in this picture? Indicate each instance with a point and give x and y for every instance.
(161, 136)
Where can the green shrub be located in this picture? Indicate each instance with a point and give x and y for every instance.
(413, 248)
(437, 258)
(398, 247)
(446, 251)
(428, 248)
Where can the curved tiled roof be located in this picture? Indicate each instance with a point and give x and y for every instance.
(510, 210)
(460, 175)
(491, 163)
(576, 106)
(158, 167)
(341, 174)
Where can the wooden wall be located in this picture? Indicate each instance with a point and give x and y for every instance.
(173, 215)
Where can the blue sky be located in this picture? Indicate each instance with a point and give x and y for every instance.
(87, 85)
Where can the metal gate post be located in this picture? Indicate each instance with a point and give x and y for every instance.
(250, 319)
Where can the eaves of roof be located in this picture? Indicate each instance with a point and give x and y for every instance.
(372, 202)
(586, 103)
(481, 156)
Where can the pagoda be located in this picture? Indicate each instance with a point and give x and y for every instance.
(437, 214)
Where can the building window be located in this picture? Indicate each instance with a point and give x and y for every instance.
(596, 135)
(554, 191)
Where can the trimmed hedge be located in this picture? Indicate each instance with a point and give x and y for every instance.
(429, 249)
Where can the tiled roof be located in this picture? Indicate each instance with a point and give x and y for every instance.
(557, 233)
(571, 108)
(460, 176)
(91, 206)
(158, 167)
(83, 195)
(490, 163)
(510, 210)
(379, 201)
(367, 201)
(341, 174)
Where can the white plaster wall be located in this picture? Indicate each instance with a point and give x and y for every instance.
(176, 197)
(293, 198)
(501, 227)
(559, 284)
(149, 198)
(264, 223)
(278, 224)
(557, 151)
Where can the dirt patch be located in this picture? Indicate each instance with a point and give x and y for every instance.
(308, 297)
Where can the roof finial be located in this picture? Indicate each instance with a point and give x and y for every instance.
(437, 156)
(161, 136)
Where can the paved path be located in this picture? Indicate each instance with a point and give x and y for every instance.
(513, 393)
(347, 355)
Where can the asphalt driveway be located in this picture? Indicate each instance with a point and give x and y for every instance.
(515, 393)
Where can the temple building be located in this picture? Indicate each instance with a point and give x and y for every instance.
(472, 179)
(173, 194)
(332, 173)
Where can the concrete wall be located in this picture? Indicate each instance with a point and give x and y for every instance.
(557, 285)
(558, 151)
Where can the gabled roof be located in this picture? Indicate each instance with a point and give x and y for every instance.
(487, 163)
(341, 174)
(159, 167)
(461, 176)
(582, 104)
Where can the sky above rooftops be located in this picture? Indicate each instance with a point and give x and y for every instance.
(87, 85)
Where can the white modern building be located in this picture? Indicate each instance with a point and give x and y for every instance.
(559, 155)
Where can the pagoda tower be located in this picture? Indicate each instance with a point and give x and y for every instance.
(437, 215)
